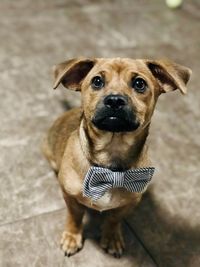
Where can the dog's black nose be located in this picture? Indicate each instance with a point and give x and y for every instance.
(115, 101)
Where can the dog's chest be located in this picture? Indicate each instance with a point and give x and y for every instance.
(109, 200)
(112, 199)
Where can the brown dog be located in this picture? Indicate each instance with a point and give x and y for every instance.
(109, 130)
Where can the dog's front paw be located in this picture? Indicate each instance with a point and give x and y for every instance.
(113, 243)
(71, 243)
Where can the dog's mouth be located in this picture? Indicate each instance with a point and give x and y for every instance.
(124, 122)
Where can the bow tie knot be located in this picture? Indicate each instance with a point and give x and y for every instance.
(118, 179)
(98, 180)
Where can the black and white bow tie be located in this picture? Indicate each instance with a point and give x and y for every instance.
(98, 180)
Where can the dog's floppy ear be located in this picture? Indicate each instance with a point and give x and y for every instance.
(70, 73)
(171, 76)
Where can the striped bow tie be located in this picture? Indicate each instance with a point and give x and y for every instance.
(99, 180)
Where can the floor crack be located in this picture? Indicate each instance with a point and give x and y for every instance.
(142, 243)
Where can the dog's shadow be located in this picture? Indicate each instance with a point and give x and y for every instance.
(168, 241)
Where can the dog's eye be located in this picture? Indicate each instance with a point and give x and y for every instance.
(139, 84)
(97, 82)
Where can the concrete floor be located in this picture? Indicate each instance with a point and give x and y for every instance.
(165, 228)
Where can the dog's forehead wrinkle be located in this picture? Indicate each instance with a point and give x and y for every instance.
(112, 65)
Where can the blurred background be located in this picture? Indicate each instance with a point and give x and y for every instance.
(34, 35)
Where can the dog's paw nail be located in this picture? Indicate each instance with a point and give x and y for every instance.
(71, 243)
(67, 254)
(113, 246)
(117, 255)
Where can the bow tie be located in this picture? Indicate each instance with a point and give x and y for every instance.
(98, 180)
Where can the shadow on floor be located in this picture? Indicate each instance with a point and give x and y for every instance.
(170, 240)
(134, 254)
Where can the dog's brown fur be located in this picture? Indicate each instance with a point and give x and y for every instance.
(74, 144)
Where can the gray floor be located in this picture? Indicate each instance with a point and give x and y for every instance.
(165, 228)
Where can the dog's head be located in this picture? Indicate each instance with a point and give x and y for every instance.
(119, 95)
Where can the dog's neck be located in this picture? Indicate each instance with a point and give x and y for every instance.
(116, 151)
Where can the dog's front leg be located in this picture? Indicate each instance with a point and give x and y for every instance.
(72, 240)
(112, 238)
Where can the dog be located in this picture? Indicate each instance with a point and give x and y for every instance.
(109, 131)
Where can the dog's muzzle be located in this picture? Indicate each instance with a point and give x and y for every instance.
(114, 114)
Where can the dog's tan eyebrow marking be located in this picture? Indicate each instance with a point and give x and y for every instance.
(102, 73)
(99, 73)
(134, 74)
